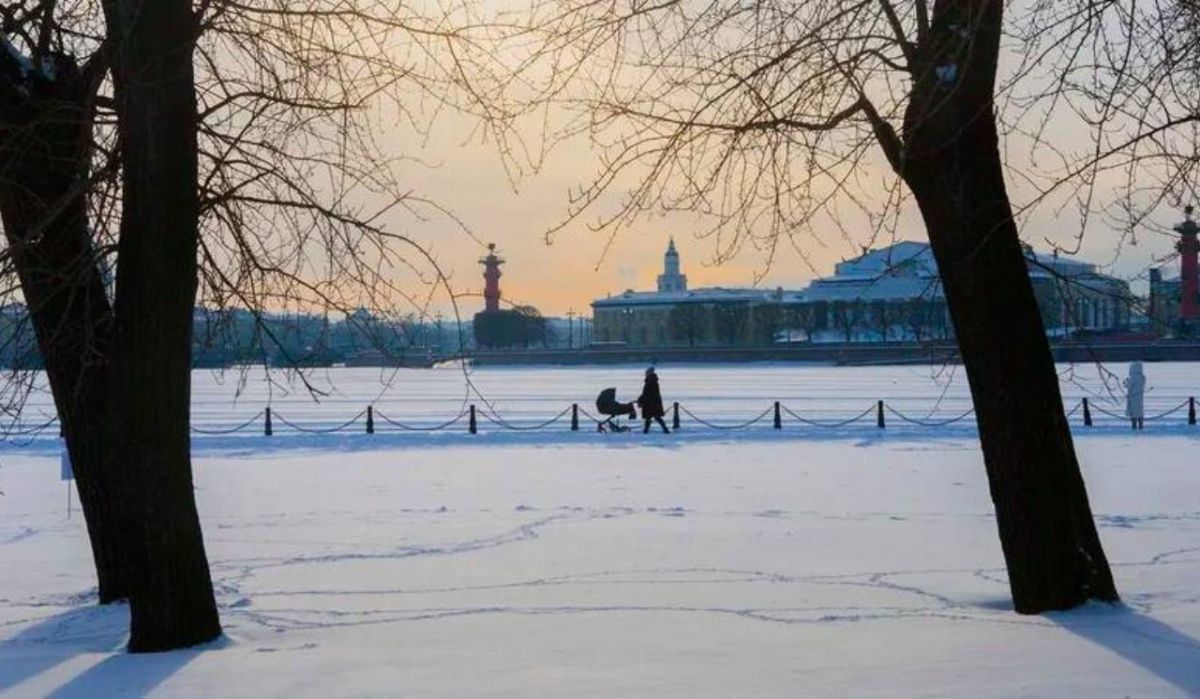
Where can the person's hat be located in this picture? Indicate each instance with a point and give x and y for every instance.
(649, 371)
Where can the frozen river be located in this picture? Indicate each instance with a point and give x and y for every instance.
(724, 395)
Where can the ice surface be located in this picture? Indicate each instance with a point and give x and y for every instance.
(700, 564)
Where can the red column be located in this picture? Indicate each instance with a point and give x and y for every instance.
(1188, 247)
(491, 278)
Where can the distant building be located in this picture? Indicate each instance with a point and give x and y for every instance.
(890, 294)
(675, 316)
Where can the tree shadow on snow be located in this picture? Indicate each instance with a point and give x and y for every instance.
(59, 638)
(98, 630)
(128, 674)
(1153, 645)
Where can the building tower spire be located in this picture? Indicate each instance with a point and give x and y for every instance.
(671, 280)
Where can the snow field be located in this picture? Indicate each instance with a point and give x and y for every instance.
(645, 567)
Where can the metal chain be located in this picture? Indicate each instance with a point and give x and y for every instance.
(421, 428)
(817, 423)
(230, 430)
(739, 426)
(318, 430)
(927, 423)
(495, 419)
(1176, 409)
(1102, 411)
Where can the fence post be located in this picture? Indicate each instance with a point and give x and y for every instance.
(1087, 414)
(1192, 410)
(675, 416)
(879, 421)
(471, 422)
(778, 418)
(267, 425)
(370, 420)
(574, 417)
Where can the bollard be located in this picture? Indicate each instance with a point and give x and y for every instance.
(879, 422)
(1087, 414)
(675, 416)
(471, 421)
(574, 417)
(1192, 410)
(778, 418)
(370, 420)
(267, 426)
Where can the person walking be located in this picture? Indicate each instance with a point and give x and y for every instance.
(651, 402)
(1135, 394)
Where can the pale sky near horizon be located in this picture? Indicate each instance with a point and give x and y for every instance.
(573, 270)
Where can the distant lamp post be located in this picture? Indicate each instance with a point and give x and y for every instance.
(571, 329)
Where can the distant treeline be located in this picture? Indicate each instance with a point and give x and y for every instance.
(230, 337)
(222, 338)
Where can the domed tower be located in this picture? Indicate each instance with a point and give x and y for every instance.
(671, 279)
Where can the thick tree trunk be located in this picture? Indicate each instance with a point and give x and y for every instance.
(172, 598)
(953, 166)
(45, 147)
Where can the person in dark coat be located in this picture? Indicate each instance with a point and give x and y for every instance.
(651, 402)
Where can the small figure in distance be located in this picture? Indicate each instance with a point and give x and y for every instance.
(1135, 392)
(651, 403)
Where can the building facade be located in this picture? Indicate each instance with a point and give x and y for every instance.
(890, 294)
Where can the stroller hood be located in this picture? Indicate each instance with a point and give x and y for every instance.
(606, 402)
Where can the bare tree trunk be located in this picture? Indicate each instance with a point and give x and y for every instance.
(953, 166)
(172, 600)
(45, 148)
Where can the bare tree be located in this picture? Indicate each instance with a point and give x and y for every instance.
(766, 117)
(147, 433)
(247, 177)
(847, 316)
(730, 319)
(688, 322)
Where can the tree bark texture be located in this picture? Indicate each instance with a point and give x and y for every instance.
(45, 151)
(952, 164)
(172, 600)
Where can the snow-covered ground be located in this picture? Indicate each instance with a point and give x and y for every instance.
(863, 563)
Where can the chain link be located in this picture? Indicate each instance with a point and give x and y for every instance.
(317, 430)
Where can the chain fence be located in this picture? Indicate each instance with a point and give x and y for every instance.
(681, 416)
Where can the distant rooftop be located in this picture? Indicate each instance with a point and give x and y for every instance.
(903, 270)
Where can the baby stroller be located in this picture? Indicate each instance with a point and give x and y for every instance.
(608, 406)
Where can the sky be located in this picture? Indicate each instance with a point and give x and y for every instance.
(568, 271)
(464, 173)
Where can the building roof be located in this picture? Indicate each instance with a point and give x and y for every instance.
(904, 255)
(903, 270)
(714, 294)
(883, 288)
